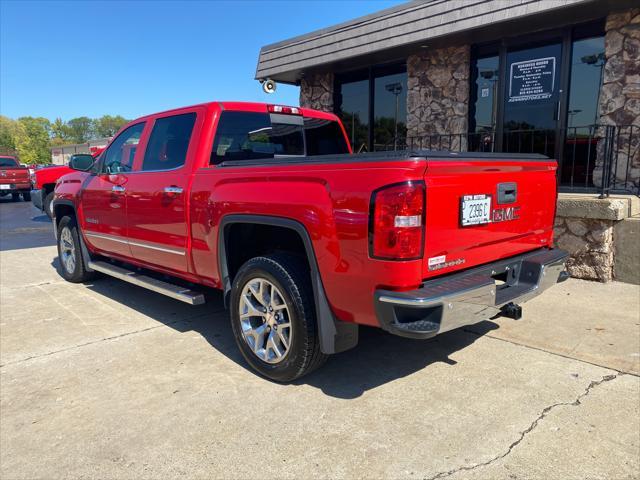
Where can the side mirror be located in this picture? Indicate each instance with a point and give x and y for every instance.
(81, 161)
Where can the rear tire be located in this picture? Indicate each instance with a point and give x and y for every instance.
(26, 196)
(15, 197)
(48, 205)
(70, 252)
(280, 341)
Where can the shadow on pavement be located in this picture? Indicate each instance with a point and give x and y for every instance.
(23, 226)
(378, 359)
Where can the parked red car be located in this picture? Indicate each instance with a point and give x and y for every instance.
(306, 240)
(14, 179)
(44, 181)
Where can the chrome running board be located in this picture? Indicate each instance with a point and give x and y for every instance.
(170, 290)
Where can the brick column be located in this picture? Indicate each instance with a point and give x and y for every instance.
(619, 103)
(316, 91)
(438, 96)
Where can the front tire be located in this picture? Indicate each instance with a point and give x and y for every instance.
(70, 253)
(48, 205)
(273, 317)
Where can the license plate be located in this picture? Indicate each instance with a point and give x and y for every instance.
(5, 187)
(475, 210)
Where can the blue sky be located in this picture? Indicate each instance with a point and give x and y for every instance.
(74, 58)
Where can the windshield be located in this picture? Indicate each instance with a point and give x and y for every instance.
(252, 136)
(8, 162)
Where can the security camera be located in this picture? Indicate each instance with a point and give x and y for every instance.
(268, 86)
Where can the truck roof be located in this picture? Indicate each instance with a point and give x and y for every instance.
(244, 107)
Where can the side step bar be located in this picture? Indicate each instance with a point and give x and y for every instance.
(170, 290)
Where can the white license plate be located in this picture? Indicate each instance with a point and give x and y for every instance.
(475, 210)
(5, 187)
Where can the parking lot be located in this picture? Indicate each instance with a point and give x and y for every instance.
(106, 380)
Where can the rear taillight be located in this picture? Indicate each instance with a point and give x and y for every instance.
(396, 228)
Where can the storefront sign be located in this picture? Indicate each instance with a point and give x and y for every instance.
(532, 79)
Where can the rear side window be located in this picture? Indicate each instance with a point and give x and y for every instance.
(8, 162)
(251, 136)
(169, 142)
(118, 158)
(324, 137)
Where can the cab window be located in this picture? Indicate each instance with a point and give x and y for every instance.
(255, 136)
(118, 158)
(169, 142)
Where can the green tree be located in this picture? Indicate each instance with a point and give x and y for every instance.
(7, 135)
(108, 125)
(60, 133)
(80, 129)
(32, 140)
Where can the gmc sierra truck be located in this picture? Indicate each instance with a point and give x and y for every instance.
(14, 179)
(306, 240)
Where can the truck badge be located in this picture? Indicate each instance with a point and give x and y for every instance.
(505, 214)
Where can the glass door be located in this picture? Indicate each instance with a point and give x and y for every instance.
(532, 88)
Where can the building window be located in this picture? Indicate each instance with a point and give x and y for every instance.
(389, 108)
(587, 63)
(352, 106)
(539, 93)
(483, 102)
(372, 104)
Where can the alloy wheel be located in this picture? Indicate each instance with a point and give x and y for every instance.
(265, 320)
(67, 250)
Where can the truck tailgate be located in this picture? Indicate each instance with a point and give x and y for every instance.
(14, 174)
(478, 211)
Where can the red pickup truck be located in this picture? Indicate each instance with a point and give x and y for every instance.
(306, 240)
(14, 179)
(44, 181)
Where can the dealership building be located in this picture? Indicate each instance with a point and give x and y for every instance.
(556, 77)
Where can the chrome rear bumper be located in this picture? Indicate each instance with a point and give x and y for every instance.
(468, 297)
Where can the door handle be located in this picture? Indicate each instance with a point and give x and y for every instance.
(172, 189)
(117, 188)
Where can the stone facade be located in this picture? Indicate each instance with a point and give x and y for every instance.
(593, 231)
(438, 96)
(590, 243)
(619, 103)
(316, 91)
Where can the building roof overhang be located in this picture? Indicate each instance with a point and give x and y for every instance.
(393, 33)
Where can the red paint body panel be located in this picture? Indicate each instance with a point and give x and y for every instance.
(331, 200)
(48, 176)
(448, 181)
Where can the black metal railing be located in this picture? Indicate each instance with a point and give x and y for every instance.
(594, 158)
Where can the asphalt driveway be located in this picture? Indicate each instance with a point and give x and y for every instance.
(106, 380)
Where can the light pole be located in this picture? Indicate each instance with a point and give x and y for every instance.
(395, 89)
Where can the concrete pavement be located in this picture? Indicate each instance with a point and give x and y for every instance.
(106, 380)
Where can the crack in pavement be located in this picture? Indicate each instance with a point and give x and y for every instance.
(529, 429)
(114, 337)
